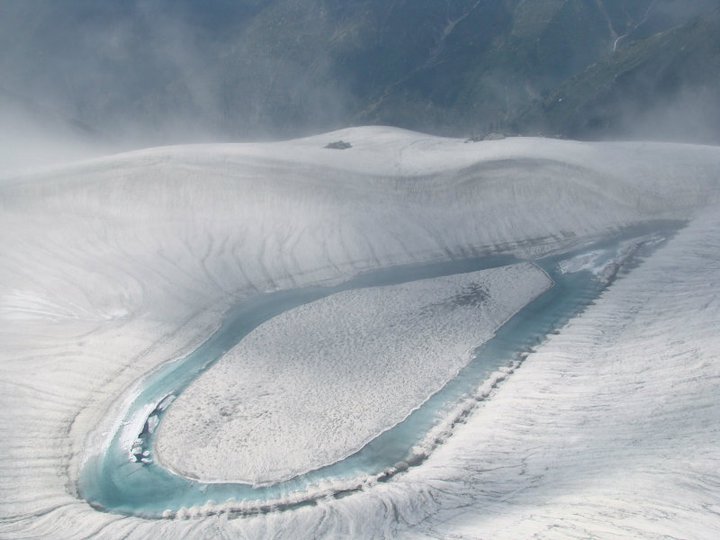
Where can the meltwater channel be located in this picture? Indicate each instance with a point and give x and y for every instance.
(126, 480)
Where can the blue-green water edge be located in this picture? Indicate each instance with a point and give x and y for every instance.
(126, 483)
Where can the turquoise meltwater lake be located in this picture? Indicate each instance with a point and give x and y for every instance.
(125, 479)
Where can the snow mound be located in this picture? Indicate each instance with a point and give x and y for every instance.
(316, 383)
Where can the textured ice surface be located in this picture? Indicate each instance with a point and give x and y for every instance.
(315, 383)
(113, 266)
(610, 429)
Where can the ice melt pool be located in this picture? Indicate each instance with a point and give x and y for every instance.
(124, 479)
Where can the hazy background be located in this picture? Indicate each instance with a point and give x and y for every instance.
(84, 76)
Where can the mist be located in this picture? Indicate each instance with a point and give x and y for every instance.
(83, 78)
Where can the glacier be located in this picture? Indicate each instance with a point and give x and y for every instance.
(117, 265)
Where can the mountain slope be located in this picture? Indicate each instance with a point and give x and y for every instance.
(155, 71)
(664, 86)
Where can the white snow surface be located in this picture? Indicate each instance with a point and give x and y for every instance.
(316, 383)
(610, 429)
(113, 266)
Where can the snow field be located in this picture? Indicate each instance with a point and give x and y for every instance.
(113, 266)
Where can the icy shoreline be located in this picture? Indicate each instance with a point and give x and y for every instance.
(138, 490)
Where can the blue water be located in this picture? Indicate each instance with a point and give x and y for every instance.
(130, 483)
